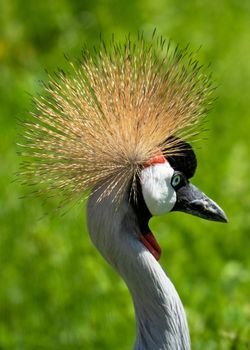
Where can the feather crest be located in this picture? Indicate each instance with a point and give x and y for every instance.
(117, 108)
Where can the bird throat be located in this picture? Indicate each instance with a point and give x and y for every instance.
(150, 242)
(143, 216)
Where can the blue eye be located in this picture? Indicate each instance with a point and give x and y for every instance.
(176, 180)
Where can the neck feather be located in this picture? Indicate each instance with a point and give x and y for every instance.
(160, 317)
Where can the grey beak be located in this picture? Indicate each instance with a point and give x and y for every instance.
(192, 201)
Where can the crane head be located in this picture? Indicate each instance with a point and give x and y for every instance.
(166, 187)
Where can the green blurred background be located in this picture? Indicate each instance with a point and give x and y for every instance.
(56, 292)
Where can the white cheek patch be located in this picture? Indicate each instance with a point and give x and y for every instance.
(158, 193)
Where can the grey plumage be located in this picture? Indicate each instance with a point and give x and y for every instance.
(160, 318)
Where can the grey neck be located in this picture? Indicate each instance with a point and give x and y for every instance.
(160, 317)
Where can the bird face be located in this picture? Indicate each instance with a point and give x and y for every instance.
(166, 187)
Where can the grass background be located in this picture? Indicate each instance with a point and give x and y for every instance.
(56, 292)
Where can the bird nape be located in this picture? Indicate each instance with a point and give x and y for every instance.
(118, 124)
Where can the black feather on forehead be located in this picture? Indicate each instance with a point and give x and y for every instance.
(185, 161)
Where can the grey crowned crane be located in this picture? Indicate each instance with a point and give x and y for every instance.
(119, 125)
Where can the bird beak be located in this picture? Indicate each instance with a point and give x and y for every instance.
(192, 201)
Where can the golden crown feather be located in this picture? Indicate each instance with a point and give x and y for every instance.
(117, 107)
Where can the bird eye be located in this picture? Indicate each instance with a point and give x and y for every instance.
(176, 180)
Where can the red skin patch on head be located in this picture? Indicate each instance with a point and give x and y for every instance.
(160, 159)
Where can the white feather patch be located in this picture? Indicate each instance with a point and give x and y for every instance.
(158, 193)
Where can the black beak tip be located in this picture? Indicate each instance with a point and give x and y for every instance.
(222, 217)
(215, 213)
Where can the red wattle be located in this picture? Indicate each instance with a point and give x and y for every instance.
(151, 244)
